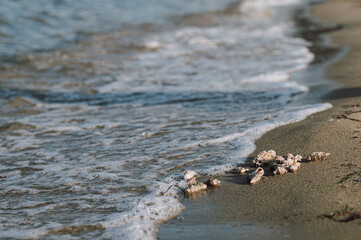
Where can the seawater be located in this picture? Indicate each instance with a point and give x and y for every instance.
(106, 103)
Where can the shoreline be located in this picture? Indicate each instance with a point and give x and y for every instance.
(297, 205)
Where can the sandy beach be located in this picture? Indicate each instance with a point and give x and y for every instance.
(320, 201)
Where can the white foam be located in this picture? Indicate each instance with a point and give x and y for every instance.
(269, 77)
(261, 5)
(152, 45)
(204, 54)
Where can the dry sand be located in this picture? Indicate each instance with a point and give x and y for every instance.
(297, 205)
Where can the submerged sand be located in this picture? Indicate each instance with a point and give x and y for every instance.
(320, 201)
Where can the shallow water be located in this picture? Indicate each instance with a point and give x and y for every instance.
(94, 131)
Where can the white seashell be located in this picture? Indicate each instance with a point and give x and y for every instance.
(289, 156)
(291, 160)
(279, 158)
(212, 182)
(264, 158)
(192, 181)
(280, 170)
(294, 167)
(317, 156)
(240, 170)
(256, 175)
(298, 158)
(189, 174)
(196, 188)
(243, 170)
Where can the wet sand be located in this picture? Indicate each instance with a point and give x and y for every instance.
(320, 201)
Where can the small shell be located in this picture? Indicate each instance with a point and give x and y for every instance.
(192, 181)
(294, 167)
(256, 175)
(280, 170)
(212, 182)
(291, 160)
(189, 174)
(298, 158)
(196, 188)
(264, 158)
(240, 170)
(279, 159)
(318, 156)
(243, 170)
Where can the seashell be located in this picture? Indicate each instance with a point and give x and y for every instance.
(264, 158)
(192, 181)
(256, 175)
(240, 170)
(291, 160)
(298, 158)
(279, 159)
(189, 174)
(212, 182)
(243, 170)
(196, 188)
(317, 156)
(280, 170)
(294, 167)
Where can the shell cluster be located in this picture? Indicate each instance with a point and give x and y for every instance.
(317, 156)
(264, 158)
(280, 165)
(196, 187)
